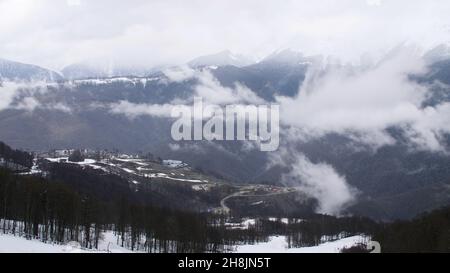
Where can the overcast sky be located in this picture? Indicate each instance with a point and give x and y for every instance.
(54, 33)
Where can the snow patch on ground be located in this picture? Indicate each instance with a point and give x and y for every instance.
(16, 244)
(200, 187)
(165, 176)
(128, 170)
(87, 162)
(244, 224)
(278, 244)
(130, 80)
(174, 163)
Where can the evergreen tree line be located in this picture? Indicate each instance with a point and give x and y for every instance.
(323, 228)
(428, 233)
(10, 155)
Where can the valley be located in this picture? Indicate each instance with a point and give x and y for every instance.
(147, 172)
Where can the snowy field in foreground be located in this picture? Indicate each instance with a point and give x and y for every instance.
(13, 244)
(278, 244)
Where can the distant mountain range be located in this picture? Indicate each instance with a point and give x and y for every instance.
(15, 71)
(91, 71)
(276, 63)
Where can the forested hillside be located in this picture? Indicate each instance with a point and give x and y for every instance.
(11, 156)
(53, 211)
(428, 233)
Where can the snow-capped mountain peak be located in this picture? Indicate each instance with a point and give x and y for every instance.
(290, 57)
(223, 58)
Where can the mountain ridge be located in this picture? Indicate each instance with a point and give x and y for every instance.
(17, 71)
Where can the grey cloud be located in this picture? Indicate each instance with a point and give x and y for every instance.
(318, 180)
(208, 88)
(151, 33)
(365, 103)
(133, 110)
(23, 96)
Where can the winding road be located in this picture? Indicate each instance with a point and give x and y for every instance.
(227, 209)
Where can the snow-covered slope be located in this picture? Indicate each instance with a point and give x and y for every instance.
(15, 244)
(108, 70)
(278, 244)
(290, 57)
(82, 71)
(438, 53)
(221, 59)
(15, 71)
